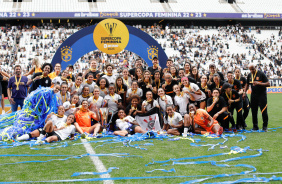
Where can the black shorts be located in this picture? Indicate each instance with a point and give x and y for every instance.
(53, 134)
(59, 138)
(4, 88)
(131, 129)
(180, 130)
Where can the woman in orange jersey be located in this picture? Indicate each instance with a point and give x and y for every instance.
(83, 118)
(201, 122)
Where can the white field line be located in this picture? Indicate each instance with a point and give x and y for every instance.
(97, 162)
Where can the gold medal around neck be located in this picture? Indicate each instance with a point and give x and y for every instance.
(17, 82)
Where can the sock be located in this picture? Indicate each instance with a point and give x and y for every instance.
(185, 130)
(23, 137)
(41, 136)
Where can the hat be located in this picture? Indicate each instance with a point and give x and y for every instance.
(70, 65)
(226, 85)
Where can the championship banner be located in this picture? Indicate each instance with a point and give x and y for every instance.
(134, 15)
(110, 36)
(150, 120)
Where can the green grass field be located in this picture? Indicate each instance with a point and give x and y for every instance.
(269, 161)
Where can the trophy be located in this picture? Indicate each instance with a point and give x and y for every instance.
(105, 112)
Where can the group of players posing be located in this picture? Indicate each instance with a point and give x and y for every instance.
(187, 101)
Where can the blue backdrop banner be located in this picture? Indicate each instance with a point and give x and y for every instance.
(110, 36)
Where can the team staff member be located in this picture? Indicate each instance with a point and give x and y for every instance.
(217, 108)
(259, 82)
(17, 89)
(246, 102)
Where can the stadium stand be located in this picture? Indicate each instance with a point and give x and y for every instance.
(201, 6)
(245, 6)
(260, 6)
(225, 46)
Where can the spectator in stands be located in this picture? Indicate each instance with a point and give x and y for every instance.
(17, 89)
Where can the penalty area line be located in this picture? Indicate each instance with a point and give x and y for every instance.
(97, 162)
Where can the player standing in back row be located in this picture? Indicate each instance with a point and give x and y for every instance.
(258, 81)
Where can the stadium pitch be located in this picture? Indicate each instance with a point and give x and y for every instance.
(131, 161)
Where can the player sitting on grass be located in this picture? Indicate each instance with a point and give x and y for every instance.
(53, 118)
(201, 121)
(173, 121)
(57, 132)
(127, 125)
(83, 118)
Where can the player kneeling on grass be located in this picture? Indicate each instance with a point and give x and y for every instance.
(173, 121)
(57, 132)
(201, 121)
(127, 125)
